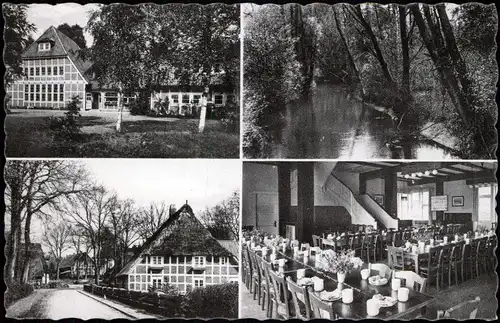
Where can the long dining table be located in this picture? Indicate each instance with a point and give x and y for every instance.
(416, 304)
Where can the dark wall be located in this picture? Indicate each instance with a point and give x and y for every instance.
(326, 218)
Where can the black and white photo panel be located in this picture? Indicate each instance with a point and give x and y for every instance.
(370, 81)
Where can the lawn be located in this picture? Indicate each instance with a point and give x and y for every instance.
(28, 135)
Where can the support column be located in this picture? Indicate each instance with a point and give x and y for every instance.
(391, 192)
(439, 191)
(362, 184)
(305, 194)
(284, 196)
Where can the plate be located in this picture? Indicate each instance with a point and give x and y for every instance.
(330, 296)
(377, 280)
(384, 301)
(305, 281)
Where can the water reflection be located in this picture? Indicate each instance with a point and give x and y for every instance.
(332, 125)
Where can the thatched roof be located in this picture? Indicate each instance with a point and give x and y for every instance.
(232, 246)
(181, 235)
(70, 260)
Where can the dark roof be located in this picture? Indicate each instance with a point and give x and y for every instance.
(63, 46)
(68, 261)
(181, 235)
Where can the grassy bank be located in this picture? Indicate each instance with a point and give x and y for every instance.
(29, 136)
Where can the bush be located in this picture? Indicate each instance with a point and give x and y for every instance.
(231, 121)
(213, 301)
(139, 106)
(16, 291)
(67, 128)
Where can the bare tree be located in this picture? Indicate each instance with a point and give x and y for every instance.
(57, 238)
(125, 231)
(35, 187)
(90, 212)
(223, 219)
(151, 218)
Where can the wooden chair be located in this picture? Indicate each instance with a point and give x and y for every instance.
(356, 244)
(328, 244)
(264, 282)
(247, 268)
(463, 311)
(380, 269)
(444, 263)
(268, 291)
(412, 280)
(474, 257)
(316, 241)
(430, 267)
(256, 276)
(466, 262)
(456, 261)
(318, 305)
(397, 240)
(279, 299)
(302, 306)
(397, 259)
(365, 253)
(484, 253)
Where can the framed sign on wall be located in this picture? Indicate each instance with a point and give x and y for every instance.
(439, 203)
(457, 201)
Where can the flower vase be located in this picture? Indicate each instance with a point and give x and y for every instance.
(341, 277)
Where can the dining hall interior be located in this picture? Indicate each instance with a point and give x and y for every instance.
(378, 239)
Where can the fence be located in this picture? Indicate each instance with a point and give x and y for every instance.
(150, 301)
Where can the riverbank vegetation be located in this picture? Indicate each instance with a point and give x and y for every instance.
(422, 65)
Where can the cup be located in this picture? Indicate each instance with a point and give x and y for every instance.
(445, 239)
(264, 251)
(306, 253)
(396, 283)
(467, 241)
(295, 250)
(347, 296)
(318, 285)
(301, 273)
(273, 257)
(365, 273)
(456, 237)
(403, 294)
(465, 236)
(281, 262)
(372, 307)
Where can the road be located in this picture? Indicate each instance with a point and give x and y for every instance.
(60, 304)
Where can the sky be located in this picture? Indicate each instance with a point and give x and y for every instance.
(46, 15)
(202, 182)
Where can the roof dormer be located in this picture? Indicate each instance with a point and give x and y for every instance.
(45, 44)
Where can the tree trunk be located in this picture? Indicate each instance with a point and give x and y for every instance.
(349, 55)
(405, 51)
(455, 55)
(376, 47)
(57, 270)
(27, 244)
(445, 74)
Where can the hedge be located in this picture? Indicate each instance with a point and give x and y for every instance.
(16, 291)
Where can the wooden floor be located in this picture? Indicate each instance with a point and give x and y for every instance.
(484, 286)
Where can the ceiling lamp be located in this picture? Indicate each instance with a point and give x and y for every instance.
(471, 186)
(420, 174)
(434, 172)
(427, 173)
(413, 175)
(407, 176)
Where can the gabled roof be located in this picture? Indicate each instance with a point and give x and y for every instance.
(63, 46)
(71, 259)
(181, 235)
(232, 246)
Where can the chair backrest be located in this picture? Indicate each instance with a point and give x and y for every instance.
(474, 245)
(434, 254)
(462, 311)
(317, 305)
(457, 251)
(299, 290)
(412, 280)
(381, 269)
(445, 254)
(253, 262)
(397, 257)
(397, 239)
(281, 296)
(328, 244)
(316, 240)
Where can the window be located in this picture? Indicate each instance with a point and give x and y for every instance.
(196, 99)
(37, 71)
(43, 70)
(156, 260)
(43, 47)
(54, 70)
(49, 71)
(49, 92)
(185, 99)
(414, 205)
(32, 71)
(61, 92)
(157, 282)
(486, 203)
(218, 99)
(61, 70)
(198, 261)
(199, 282)
(175, 98)
(26, 70)
(37, 92)
(223, 260)
(43, 92)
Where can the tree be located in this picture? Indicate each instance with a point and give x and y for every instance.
(222, 220)
(150, 219)
(36, 188)
(57, 238)
(17, 37)
(90, 212)
(74, 32)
